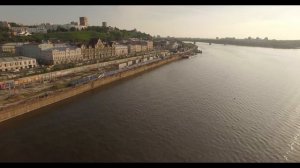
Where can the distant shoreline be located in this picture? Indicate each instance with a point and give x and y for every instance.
(276, 44)
(254, 46)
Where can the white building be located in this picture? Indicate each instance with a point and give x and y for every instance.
(49, 53)
(61, 55)
(27, 30)
(69, 26)
(121, 50)
(134, 47)
(149, 45)
(39, 29)
(9, 49)
(19, 30)
(16, 63)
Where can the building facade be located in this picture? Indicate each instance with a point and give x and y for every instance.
(39, 29)
(167, 45)
(49, 53)
(149, 45)
(23, 30)
(121, 50)
(19, 29)
(83, 21)
(7, 49)
(4, 24)
(34, 50)
(136, 45)
(134, 48)
(97, 50)
(11, 49)
(104, 24)
(49, 26)
(144, 46)
(17, 63)
(61, 55)
(69, 26)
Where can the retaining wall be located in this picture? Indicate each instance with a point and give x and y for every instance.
(36, 103)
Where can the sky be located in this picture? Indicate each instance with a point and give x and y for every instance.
(274, 22)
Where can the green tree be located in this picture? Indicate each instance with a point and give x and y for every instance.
(73, 29)
(61, 29)
(13, 24)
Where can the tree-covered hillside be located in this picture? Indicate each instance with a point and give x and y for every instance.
(73, 35)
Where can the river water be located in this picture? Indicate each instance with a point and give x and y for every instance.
(229, 104)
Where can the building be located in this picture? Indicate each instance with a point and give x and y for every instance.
(167, 45)
(8, 49)
(49, 26)
(34, 50)
(38, 29)
(137, 45)
(134, 47)
(19, 29)
(161, 44)
(104, 24)
(144, 46)
(11, 49)
(149, 45)
(17, 63)
(4, 24)
(30, 30)
(49, 53)
(83, 21)
(97, 49)
(68, 26)
(60, 55)
(72, 25)
(174, 45)
(121, 50)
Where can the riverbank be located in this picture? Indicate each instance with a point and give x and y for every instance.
(60, 95)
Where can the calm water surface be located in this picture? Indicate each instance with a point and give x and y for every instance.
(229, 104)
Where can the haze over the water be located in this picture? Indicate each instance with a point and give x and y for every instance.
(274, 22)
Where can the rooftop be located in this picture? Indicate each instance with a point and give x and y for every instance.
(94, 41)
(61, 48)
(11, 59)
(13, 44)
